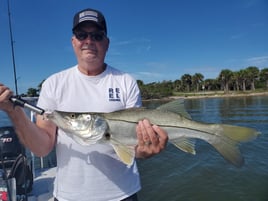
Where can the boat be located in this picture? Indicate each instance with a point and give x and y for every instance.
(43, 185)
(37, 172)
(43, 169)
(24, 177)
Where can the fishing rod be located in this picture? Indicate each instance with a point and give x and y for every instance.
(12, 48)
(5, 175)
(18, 101)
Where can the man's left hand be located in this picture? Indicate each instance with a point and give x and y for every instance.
(151, 139)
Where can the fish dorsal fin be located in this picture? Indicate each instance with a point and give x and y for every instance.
(125, 153)
(176, 106)
(185, 144)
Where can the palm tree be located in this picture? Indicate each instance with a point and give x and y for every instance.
(264, 76)
(225, 78)
(177, 85)
(208, 84)
(187, 81)
(252, 74)
(243, 79)
(236, 80)
(197, 78)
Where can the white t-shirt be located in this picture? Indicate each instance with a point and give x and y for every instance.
(90, 173)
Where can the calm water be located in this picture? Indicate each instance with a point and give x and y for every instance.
(176, 176)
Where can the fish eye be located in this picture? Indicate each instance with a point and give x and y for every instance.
(107, 136)
(72, 116)
(88, 117)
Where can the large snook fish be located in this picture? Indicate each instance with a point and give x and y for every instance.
(119, 129)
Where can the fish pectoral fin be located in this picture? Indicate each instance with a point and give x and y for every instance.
(185, 144)
(125, 153)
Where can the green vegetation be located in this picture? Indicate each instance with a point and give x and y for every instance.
(243, 81)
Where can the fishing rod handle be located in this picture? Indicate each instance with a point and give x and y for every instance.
(17, 101)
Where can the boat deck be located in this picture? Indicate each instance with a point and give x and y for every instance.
(43, 185)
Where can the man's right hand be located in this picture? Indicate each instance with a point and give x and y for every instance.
(5, 94)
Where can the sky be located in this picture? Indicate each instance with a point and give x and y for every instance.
(153, 40)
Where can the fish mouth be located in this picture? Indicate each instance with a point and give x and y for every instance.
(83, 140)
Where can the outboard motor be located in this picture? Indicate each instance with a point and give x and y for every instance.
(14, 164)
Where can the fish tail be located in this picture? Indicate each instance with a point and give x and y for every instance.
(230, 137)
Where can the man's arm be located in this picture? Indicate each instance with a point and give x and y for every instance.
(40, 137)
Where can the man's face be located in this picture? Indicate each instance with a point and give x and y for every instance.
(90, 44)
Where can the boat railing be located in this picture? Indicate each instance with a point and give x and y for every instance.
(42, 162)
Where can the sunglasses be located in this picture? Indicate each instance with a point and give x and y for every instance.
(94, 36)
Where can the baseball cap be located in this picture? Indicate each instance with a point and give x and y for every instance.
(90, 15)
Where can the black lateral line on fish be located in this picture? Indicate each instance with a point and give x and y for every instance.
(120, 120)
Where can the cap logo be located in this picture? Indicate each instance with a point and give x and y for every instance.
(88, 15)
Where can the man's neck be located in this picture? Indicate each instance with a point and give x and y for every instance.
(91, 70)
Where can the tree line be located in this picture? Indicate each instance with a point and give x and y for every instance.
(248, 79)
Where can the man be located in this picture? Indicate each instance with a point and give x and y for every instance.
(87, 172)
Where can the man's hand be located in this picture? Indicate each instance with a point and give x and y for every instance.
(151, 139)
(5, 94)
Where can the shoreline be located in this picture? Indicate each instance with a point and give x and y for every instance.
(208, 95)
(218, 95)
